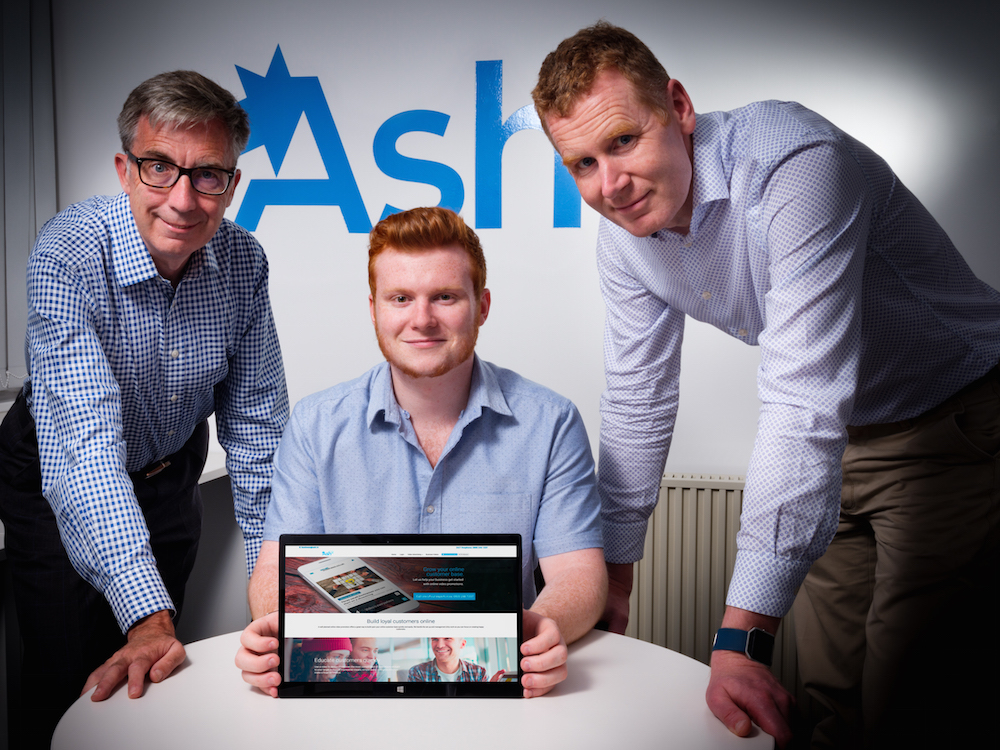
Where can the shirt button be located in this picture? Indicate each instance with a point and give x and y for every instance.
(430, 509)
(170, 433)
(706, 295)
(174, 354)
(742, 332)
(174, 397)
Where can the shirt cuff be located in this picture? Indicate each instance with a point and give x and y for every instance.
(765, 584)
(568, 543)
(137, 593)
(624, 542)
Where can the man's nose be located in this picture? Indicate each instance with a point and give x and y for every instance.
(183, 196)
(423, 314)
(613, 179)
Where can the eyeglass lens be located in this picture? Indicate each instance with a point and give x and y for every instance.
(203, 179)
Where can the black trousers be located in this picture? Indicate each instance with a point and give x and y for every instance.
(67, 627)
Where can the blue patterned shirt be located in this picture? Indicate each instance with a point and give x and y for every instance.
(803, 242)
(123, 367)
(517, 462)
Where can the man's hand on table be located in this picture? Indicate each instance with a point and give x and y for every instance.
(258, 654)
(742, 690)
(545, 652)
(151, 649)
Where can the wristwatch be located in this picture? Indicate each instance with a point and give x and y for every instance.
(755, 643)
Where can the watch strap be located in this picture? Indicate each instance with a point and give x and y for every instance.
(756, 643)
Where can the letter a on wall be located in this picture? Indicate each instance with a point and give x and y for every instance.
(275, 103)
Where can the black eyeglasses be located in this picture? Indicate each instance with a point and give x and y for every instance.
(158, 173)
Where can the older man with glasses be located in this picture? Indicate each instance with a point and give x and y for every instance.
(147, 312)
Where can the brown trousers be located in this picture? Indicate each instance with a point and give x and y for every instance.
(895, 627)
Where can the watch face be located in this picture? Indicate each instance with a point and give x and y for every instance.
(760, 646)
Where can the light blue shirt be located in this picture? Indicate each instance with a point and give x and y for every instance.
(123, 367)
(805, 243)
(518, 461)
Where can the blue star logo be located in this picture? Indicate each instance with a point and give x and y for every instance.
(275, 104)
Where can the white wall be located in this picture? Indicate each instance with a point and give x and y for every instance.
(915, 84)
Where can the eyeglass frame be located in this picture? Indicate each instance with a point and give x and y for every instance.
(181, 172)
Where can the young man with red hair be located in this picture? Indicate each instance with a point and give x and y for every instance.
(435, 440)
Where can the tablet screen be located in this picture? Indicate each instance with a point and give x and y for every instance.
(400, 615)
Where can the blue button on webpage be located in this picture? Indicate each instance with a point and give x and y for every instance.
(448, 596)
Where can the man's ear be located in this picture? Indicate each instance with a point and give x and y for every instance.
(231, 191)
(371, 308)
(121, 166)
(681, 105)
(484, 306)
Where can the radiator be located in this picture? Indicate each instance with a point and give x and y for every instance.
(679, 593)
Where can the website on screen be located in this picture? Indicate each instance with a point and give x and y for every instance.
(409, 613)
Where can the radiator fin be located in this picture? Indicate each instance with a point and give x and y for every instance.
(679, 594)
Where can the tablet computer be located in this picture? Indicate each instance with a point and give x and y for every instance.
(400, 616)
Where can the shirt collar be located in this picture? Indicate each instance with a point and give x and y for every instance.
(710, 181)
(383, 400)
(131, 259)
(485, 393)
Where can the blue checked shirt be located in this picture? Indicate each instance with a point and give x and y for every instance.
(123, 367)
(428, 672)
(805, 243)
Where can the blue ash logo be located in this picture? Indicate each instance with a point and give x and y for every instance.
(277, 101)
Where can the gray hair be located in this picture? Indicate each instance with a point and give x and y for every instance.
(183, 98)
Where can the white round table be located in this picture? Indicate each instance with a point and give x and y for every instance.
(620, 693)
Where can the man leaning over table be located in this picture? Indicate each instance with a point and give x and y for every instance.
(436, 440)
(783, 231)
(147, 312)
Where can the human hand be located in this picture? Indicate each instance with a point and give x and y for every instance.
(498, 676)
(545, 655)
(741, 689)
(151, 648)
(615, 617)
(258, 657)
